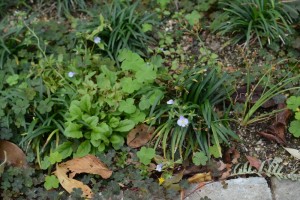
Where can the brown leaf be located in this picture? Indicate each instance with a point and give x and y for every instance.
(69, 184)
(139, 136)
(226, 174)
(87, 164)
(231, 156)
(200, 177)
(276, 131)
(14, 155)
(254, 162)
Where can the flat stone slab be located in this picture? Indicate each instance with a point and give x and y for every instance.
(285, 189)
(254, 188)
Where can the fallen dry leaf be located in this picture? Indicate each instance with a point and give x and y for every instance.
(139, 136)
(276, 131)
(226, 173)
(69, 184)
(200, 177)
(254, 162)
(293, 152)
(231, 156)
(87, 164)
(66, 171)
(14, 155)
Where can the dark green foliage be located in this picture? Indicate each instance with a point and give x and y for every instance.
(200, 91)
(260, 21)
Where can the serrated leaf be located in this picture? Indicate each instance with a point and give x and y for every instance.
(130, 61)
(83, 149)
(125, 125)
(200, 158)
(214, 150)
(129, 86)
(145, 155)
(12, 79)
(51, 182)
(193, 18)
(45, 106)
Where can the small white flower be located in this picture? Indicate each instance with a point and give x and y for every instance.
(71, 74)
(170, 102)
(97, 40)
(159, 167)
(182, 121)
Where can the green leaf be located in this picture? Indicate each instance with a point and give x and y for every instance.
(51, 182)
(297, 115)
(129, 86)
(20, 107)
(75, 111)
(92, 121)
(117, 141)
(294, 128)
(214, 150)
(144, 103)
(85, 103)
(138, 116)
(73, 130)
(146, 155)
(293, 103)
(193, 18)
(200, 158)
(146, 75)
(130, 61)
(146, 27)
(127, 106)
(45, 106)
(114, 122)
(103, 82)
(125, 125)
(55, 157)
(101, 132)
(83, 149)
(12, 80)
(45, 163)
(65, 149)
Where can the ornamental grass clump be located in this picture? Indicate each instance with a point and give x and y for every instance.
(256, 20)
(190, 122)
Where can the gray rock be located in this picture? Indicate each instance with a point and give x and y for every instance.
(285, 189)
(254, 188)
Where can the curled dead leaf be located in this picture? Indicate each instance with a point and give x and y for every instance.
(87, 164)
(65, 173)
(200, 177)
(69, 184)
(231, 156)
(139, 136)
(14, 155)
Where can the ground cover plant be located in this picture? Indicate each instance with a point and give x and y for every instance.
(138, 99)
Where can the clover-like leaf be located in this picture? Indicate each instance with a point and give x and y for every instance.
(294, 128)
(127, 106)
(45, 106)
(146, 155)
(51, 182)
(293, 103)
(200, 158)
(193, 18)
(12, 80)
(129, 86)
(214, 150)
(55, 157)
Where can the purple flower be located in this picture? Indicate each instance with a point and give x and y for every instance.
(71, 74)
(182, 121)
(170, 102)
(97, 40)
(159, 167)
